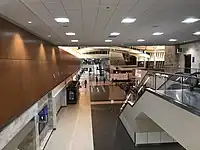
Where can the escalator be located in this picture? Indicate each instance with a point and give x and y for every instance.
(173, 105)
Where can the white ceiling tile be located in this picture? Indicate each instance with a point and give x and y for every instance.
(130, 2)
(104, 17)
(109, 2)
(92, 29)
(71, 4)
(76, 21)
(89, 16)
(51, 1)
(4, 2)
(56, 9)
(90, 3)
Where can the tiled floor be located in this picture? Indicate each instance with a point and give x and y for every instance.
(106, 93)
(74, 128)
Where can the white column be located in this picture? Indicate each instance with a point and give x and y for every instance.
(37, 136)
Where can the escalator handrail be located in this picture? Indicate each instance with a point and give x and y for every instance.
(171, 100)
(141, 85)
(142, 79)
(137, 98)
(172, 75)
(189, 108)
(175, 102)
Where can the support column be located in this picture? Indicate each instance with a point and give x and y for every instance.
(52, 111)
(171, 59)
(37, 136)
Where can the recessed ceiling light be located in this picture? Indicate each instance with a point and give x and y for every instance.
(172, 40)
(29, 22)
(190, 20)
(70, 33)
(158, 33)
(128, 20)
(49, 35)
(114, 34)
(140, 40)
(108, 41)
(74, 41)
(197, 33)
(62, 20)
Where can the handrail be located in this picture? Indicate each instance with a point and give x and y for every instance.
(182, 68)
(180, 103)
(173, 74)
(170, 100)
(145, 80)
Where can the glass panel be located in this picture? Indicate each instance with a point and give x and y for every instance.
(183, 89)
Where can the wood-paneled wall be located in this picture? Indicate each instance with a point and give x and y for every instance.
(29, 68)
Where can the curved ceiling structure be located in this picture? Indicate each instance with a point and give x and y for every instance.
(84, 52)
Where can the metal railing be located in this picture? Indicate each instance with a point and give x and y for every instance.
(180, 88)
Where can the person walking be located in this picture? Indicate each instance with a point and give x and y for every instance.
(85, 83)
(104, 80)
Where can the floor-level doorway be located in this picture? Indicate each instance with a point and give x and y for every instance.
(188, 63)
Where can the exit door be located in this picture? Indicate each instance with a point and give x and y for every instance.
(188, 63)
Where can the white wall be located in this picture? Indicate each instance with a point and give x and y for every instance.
(194, 50)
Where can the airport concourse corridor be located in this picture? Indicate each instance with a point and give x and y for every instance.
(93, 124)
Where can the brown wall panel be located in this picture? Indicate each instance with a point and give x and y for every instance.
(27, 66)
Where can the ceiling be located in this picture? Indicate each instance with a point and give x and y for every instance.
(94, 20)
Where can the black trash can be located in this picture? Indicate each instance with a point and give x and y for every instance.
(73, 92)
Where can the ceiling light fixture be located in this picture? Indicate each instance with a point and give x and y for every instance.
(172, 40)
(70, 33)
(74, 41)
(128, 20)
(108, 41)
(29, 22)
(190, 20)
(62, 20)
(49, 35)
(158, 33)
(114, 34)
(140, 40)
(196, 33)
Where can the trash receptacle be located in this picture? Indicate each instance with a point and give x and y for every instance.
(72, 92)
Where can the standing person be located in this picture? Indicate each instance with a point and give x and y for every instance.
(104, 80)
(96, 80)
(85, 83)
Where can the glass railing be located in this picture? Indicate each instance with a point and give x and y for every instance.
(181, 70)
(179, 88)
(184, 89)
